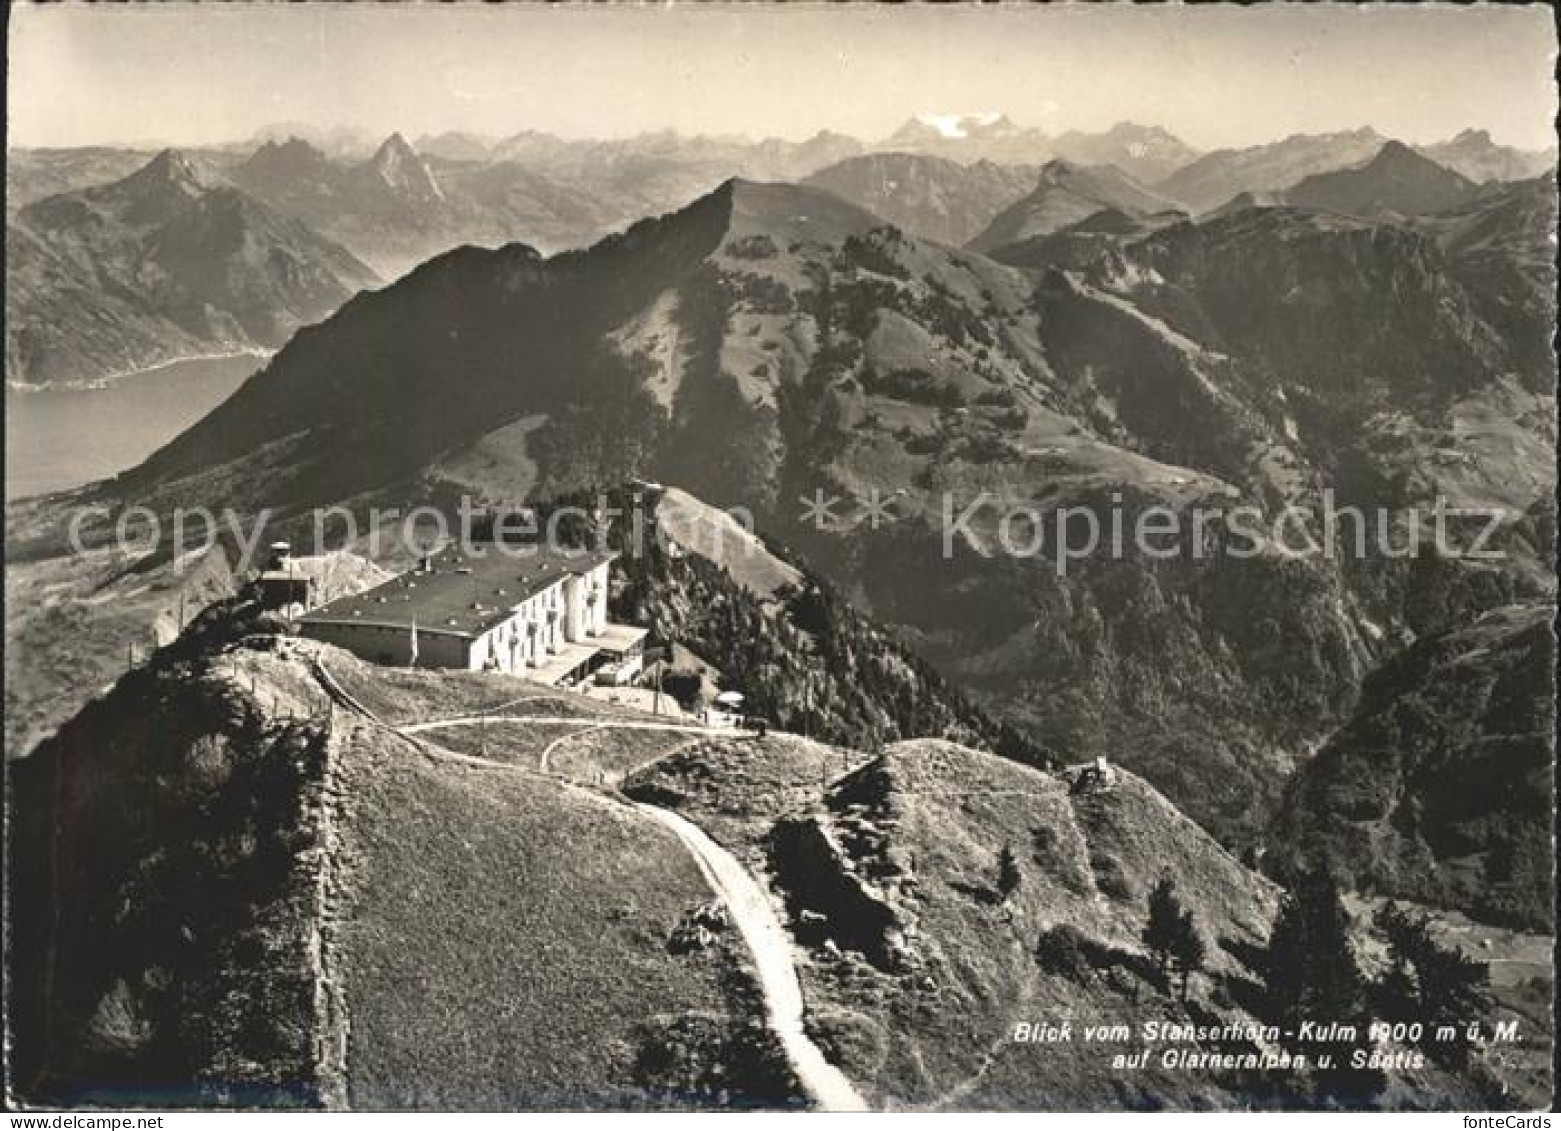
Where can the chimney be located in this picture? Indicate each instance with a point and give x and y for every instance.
(1100, 765)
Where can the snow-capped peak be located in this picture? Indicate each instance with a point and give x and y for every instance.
(963, 125)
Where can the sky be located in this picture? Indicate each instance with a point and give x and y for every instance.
(178, 73)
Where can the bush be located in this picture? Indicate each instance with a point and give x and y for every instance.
(1111, 879)
(684, 686)
(1063, 950)
(1009, 878)
(996, 398)
(762, 293)
(986, 449)
(759, 246)
(700, 1055)
(873, 252)
(915, 386)
(945, 314)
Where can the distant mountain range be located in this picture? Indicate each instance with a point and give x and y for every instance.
(930, 196)
(1473, 154)
(1397, 181)
(1065, 194)
(156, 266)
(345, 142)
(389, 205)
(1213, 179)
(772, 340)
(455, 145)
(395, 207)
(1145, 152)
(557, 193)
(763, 345)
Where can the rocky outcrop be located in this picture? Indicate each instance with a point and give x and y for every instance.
(164, 863)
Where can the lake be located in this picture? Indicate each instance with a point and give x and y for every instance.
(64, 438)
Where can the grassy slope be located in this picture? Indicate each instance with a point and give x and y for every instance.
(505, 943)
(483, 936)
(497, 936)
(971, 972)
(923, 826)
(713, 533)
(921, 1014)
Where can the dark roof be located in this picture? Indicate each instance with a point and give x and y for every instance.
(462, 594)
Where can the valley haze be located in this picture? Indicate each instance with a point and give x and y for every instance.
(780, 557)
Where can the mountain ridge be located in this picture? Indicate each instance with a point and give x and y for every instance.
(1214, 178)
(1475, 155)
(1397, 181)
(1066, 193)
(933, 197)
(769, 341)
(160, 265)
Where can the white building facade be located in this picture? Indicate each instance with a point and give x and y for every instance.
(542, 615)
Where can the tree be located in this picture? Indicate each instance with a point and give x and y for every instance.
(1008, 875)
(1312, 976)
(1165, 915)
(1429, 984)
(1188, 949)
(1312, 973)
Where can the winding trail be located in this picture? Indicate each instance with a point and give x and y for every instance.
(767, 940)
(559, 741)
(770, 946)
(608, 723)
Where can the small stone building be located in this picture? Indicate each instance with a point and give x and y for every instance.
(281, 586)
